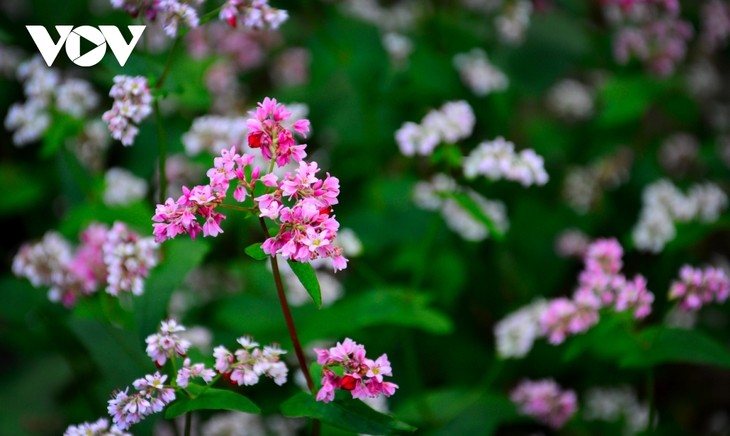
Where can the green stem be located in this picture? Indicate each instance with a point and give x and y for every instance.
(650, 387)
(168, 64)
(162, 143)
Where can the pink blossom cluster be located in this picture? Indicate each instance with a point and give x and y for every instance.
(193, 370)
(697, 287)
(545, 401)
(656, 35)
(244, 49)
(132, 103)
(600, 285)
(151, 397)
(246, 365)
(253, 14)
(116, 258)
(166, 343)
(170, 13)
(300, 203)
(361, 376)
(98, 428)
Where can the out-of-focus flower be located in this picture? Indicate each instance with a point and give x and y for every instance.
(497, 160)
(397, 16)
(512, 23)
(234, 423)
(478, 74)
(76, 97)
(571, 100)
(398, 46)
(170, 13)
(166, 343)
(214, 134)
(123, 187)
(571, 243)
(583, 186)
(545, 401)
(291, 67)
(452, 122)
(614, 404)
(97, 428)
(697, 287)
(252, 14)
(715, 24)
(516, 333)
(678, 152)
(91, 144)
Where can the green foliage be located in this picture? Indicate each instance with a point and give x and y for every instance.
(206, 398)
(307, 277)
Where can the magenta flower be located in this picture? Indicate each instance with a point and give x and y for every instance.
(267, 132)
(545, 401)
(361, 376)
(697, 287)
(152, 397)
(165, 344)
(247, 364)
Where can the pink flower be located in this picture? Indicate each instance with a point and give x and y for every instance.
(246, 365)
(267, 133)
(604, 255)
(697, 287)
(165, 344)
(545, 401)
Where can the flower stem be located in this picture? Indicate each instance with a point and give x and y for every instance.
(188, 419)
(162, 143)
(652, 401)
(287, 315)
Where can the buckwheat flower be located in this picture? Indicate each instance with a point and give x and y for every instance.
(703, 79)
(152, 397)
(453, 121)
(715, 24)
(189, 371)
(123, 187)
(414, 139)
(516, 333)
(252, 14)
(604, 255)
(634, 295)
(166, 343)
(616, 403)
(129, 259)
(350, 242)
(39, 81)
(697, 287)
(653, 230)
(10, 58)
(710, 201)
(232, 423)
(571, 100)
(678, 152)
(214, 134)
(462, 222)
(29, 120)
(497, 160)
(43, 263)
(87, 263)
(246, 365)
(396, 16)
(267, 132)
(91, 145)
(76, 97)
(571, 243)
(132, 103)
(97, 428)
(545, 401)
(513, 22)
(478, 74)
(291, 68)
(556, 320)
(399, 47)
(173, 12)
(361, 376)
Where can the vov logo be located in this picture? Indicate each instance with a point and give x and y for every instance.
(71, 37)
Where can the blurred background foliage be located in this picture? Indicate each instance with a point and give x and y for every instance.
(418, 292)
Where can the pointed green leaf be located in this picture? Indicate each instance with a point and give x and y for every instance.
(210, 399)
(348, 414)
(666, 345)
(255, 251)
(308, 278)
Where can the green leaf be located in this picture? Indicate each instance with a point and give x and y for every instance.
(308, 278)
(62, 127)
(180, 256)
(477, 213)
(255, 251)
(210, 399)
(347, 414)
(667, 345)
(626, 100)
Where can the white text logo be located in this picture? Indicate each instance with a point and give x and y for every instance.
(72, 38)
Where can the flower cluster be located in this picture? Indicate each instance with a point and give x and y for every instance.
(166, 343)
(678, 153)
(116, 257)
(583, 186)
(122, 187)
(478, 74)
(440, 194)
(571, 100)
(452, 122)
(600, 285)
(715, 17)
(697, 287)
(653, 33)
(545, 401)
(98, 428)
(361, 376)
(170, 13)
(614, 404)
(45, 90)
(247, 364)
(516, 333)
(253, 14)
(664, 204)
(300, 202)
(497, 160)
(214, 134)
(132, 103)
(151, 397)
(512, 23)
